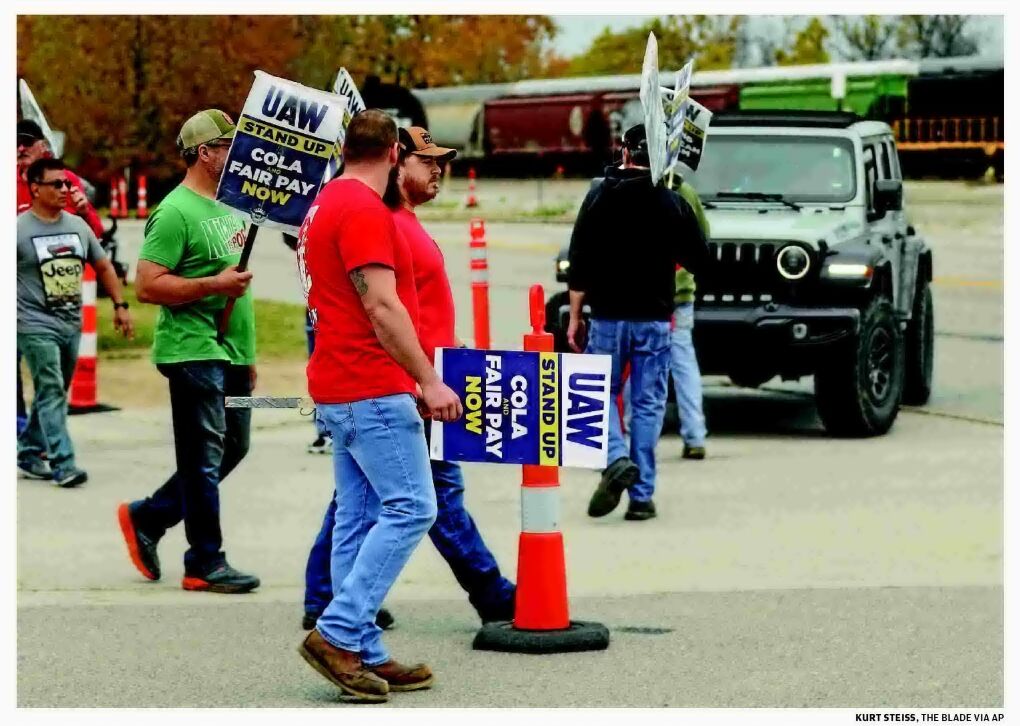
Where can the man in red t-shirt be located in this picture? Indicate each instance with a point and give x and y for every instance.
(32, 145)
(363, 375)
(454, 534)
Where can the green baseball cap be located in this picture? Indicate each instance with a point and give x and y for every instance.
(204, 127)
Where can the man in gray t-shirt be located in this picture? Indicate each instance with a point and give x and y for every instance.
(53, 247)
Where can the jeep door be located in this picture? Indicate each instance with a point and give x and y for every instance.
(888, 230)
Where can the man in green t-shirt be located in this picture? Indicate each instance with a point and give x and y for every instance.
(188, 265)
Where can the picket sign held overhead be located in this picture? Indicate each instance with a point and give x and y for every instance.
(651, 103)
(692, 138)
(285, 138)
(675, 110)
(343, 86)
(31, 110)
(278, 159)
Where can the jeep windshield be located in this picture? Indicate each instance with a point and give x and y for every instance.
(816, 169)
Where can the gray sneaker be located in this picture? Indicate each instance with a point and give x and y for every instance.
(68, 478)
(34, 469)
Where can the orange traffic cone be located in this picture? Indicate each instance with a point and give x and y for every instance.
(122, 188)
(472, 200)
(541, 621)
(143, 201)
(83, 396)
(114, 200)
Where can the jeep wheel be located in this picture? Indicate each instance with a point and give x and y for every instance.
(920, 350)
(858, 387)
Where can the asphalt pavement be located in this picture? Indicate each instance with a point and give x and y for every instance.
(786, 570)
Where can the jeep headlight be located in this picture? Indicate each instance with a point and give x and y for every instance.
(562, 266)
(848, 270)
(793, 262)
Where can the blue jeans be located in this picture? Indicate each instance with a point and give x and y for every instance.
(385, 505)
(687, 377)
(454, 535)
(310, 338)
(51, 359)
(209, 440)
(645, 346)
(22, 409)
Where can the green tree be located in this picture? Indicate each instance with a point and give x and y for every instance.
(808, 46)
(710, 39)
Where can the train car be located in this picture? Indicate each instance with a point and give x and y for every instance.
(954, 118)
(947, 105)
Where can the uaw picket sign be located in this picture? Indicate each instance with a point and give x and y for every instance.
(692, 139)
(521, 407)
(285, 138)
(343, 86)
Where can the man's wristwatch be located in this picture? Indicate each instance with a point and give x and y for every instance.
(119, 305)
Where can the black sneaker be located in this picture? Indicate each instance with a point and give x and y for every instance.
(501, 614)
(694, 452)
(34, 469)
(383, 618)
(619, 475)
(321, 445)
(68, 478)
(223, 579)
(141, 547)
(640, 511)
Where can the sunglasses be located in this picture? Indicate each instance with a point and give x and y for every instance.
(25, 140)
(60, 183)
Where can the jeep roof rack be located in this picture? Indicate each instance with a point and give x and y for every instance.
(818, 119)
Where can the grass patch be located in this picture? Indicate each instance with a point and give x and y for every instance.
(279, 329)
(555, 210)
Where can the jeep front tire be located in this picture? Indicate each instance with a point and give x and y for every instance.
(858, 387)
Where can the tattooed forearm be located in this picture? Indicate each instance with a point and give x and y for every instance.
(360, 283)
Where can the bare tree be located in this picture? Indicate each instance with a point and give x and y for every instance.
(867, 37)
(937, 36)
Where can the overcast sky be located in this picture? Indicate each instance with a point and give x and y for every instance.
(578, 31)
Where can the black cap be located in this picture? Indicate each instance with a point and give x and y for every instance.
(635, 138)
(29, 131)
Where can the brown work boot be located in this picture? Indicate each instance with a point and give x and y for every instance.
(343, 668)
(404, 678)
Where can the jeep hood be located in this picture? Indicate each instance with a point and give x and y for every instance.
(779, 223)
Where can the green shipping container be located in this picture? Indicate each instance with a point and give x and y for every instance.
(878, 97)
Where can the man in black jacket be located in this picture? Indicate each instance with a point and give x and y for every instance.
(628, 239)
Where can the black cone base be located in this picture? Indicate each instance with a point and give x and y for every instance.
(94, 408)
(580, 636)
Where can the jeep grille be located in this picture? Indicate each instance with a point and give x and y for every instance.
(744, 272)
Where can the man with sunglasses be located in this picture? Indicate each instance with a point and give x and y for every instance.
(188, 265)
(53, 247)
(32, 146)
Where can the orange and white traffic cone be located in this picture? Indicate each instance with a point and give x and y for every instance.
(114, 200)
(541, 621)
(143, 200)
(472, 200)
(84, 387)
(83, 396)
(122, 189)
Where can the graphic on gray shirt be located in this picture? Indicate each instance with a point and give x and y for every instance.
(51, 260)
